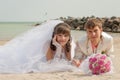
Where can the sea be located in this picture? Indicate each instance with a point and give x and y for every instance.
(9, 30)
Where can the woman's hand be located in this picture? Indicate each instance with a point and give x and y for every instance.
(55, 42)
(58, 47)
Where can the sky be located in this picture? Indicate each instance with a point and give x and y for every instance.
(40, 10)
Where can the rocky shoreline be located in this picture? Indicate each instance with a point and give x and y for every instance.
(111, 24)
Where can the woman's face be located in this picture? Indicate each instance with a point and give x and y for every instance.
(62, 39)
(94, 34)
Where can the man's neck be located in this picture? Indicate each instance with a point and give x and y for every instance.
(95, 43)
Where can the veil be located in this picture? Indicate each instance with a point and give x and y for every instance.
(26, 52)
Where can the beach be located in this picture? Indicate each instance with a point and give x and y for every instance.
(68, 75)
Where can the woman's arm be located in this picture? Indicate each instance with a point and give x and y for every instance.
(49, 54)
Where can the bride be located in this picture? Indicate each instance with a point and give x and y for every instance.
(45, 48)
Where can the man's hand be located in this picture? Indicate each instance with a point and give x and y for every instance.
(76, 62)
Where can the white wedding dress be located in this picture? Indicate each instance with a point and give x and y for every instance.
(26, 52)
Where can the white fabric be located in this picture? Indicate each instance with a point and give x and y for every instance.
(85, 66)
(58, 53)
(84, 46)
(26, 52)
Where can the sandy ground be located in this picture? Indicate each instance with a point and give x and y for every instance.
(72, 75)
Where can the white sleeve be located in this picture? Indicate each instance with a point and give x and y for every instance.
(110, 48)
(78, 52)
(73, 46)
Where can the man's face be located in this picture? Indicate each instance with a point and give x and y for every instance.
(94, 33)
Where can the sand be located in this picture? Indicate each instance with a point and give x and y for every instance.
(72, 75)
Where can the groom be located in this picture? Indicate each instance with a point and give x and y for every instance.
(96, 41)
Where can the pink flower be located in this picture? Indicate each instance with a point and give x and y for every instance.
(102, 71)
(99, 63)
(90, 66)
(97, 55)
(103, 57)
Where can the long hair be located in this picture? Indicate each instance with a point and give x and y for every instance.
(62, 28)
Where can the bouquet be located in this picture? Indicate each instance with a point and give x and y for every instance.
(99, 63)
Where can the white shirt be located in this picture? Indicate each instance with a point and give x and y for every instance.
(84, 47)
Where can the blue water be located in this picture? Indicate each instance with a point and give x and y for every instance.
(9, 30)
